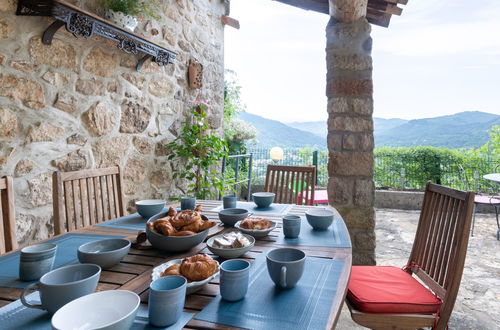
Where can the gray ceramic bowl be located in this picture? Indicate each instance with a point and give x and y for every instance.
(231, 216)
(105, 253)
(230, 253)
(173, 243)
(320, 219)
(110, 310)
(149, 207)
(263, 199)
(256, 233)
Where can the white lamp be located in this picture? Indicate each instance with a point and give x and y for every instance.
(276, 154)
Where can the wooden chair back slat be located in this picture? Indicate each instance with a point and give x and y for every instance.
(287, 182)
(8, 241)
(440, 246)
(87, 197)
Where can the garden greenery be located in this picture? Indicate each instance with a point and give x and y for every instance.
(148, 8)
(199, 151)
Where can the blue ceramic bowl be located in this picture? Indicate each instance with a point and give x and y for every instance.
(263, 199)
(149, 207)
(231, 216)
(320, 219)
(105, 253)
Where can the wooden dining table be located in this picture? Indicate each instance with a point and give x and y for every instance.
(134, 271)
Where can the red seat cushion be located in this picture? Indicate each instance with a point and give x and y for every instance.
(387, 289)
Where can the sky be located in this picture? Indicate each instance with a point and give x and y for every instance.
(437, 58)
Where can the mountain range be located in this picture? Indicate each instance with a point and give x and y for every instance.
(467, 129)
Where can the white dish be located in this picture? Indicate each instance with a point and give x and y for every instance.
(110, 310)
(257, 233)
(191, 286)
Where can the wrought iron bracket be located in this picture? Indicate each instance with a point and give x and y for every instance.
(83, 24)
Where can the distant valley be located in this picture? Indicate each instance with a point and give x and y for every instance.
(467, 129)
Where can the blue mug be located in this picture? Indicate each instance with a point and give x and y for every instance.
(229, 201)
(285, 266)
(291, 226)
(188, 203)
(166, 300)
(36, 261)
(234, 275)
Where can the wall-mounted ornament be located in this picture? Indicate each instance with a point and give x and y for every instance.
(195, 74)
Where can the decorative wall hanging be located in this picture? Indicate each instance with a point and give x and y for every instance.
(83, 24)
(195, 74)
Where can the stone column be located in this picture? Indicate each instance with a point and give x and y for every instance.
(350, 125)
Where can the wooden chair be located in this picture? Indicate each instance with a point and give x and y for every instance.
(287, 182)
(436, 260)
(87, 197)
(8, 240)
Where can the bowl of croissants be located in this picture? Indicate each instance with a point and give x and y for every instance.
(256, 226)
(175, 231)
(198, 270)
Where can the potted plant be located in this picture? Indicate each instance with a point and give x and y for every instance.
(200, 150)
(123, 12)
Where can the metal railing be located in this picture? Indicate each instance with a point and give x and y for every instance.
(390, 171)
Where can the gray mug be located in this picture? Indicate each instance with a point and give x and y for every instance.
(291, 226)
(36, 260)
(62, 285)
(285, 266)
(188, 203)
(166, 300)
(229, 201)
(234, 275)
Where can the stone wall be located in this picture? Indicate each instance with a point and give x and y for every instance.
(80, 103)
(350, 132)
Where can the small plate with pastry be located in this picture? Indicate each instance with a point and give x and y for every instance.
(198, 270)
(178, 231)
(230, 245)
(256, 226)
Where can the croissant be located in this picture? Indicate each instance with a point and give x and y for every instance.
(171, 211)
(198, 267)
(199, 226)
(183, 233)
(255, 223)
(172, 270)
(164, 227)
(184, 218)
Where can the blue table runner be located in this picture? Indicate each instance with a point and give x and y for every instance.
(335, 236)
(15, 316)
(66, 254)
(273, 209)
(307, 306)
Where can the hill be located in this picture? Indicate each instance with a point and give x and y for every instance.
(462, 130)
(467, 129)
(271, 133)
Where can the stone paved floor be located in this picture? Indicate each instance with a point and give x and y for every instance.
(478, 301)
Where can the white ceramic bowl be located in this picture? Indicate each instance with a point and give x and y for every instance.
(191, 286)
(110, 310)
(231, 252)
(256, 233)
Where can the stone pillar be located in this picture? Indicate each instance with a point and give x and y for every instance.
(350, 129)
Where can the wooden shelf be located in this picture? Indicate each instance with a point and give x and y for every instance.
(83, 24)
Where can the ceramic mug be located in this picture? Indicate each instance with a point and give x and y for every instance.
(234, 275)
(36, 260)
(291, 226)
(62, 285)
(166, 300)
(188, 203)
(229, 202)
(285, 266)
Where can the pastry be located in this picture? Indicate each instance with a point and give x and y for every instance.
(183, 223)
(172, 270)
(255, 223)
(198, 267)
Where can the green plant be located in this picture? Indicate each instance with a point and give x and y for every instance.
(147, 8)
(201, 151)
